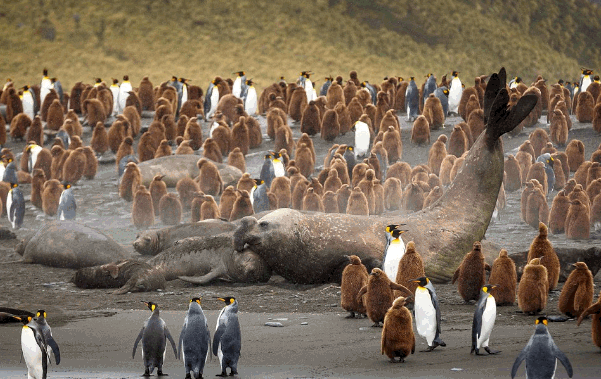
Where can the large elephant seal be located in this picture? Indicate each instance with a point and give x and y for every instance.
(152, 242)
(443, 232)
(69, 244)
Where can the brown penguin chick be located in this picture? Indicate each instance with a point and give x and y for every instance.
(74, 166)
(393, 194)
(311, 119)
(142, 211)
(19, 125)
(579, 194)
(94, 111)
(533, 289)
(130, 180)
(56, 167)
(226, 202)
(255, 135)
(525, 161)
(116, 134)
(354, 78)
(393, 145)
(445, 169)
(309, 142)
(298, 102)
(581, 175)
(472, 105)
(594, 188)
(354, 277)
(458, 143)
(379, 294)
(193, 133)
(470, 274)
(37, 185)
(317, 186)
(330, 128)
(209, 177)
(558, 128)
(210, 150)
(411, 266)
(562, 158)
(537, 209)
(389, 119)
(298, 194)
(246, 183)
(186, 187)
(367, 187)
(191, 108)
(413, 197)
(126, 148)
(475, 126)
(400, 170)
(335, 95)
(433, 112)
(180, 126)
(184, 149)
(51, 196)
(170, 209)
(162, 110)
(304, 160)
(537, 171)
(420, 133)
(75, 143)
(528, 148)
(597, 117)
(575, 152)
(242, 206)
(578, 224)
(275, 118)
(227, 105)
(280, 187)
(236, 159)
(295, 176)
(577, 292)
(100, 139)
(163, 150)
(55, 119)
(157, 190)
(146, 94)
(312, 201)
(559, 211)
(344, 118)
(594, 173)
(168, 121)
(355, 110)
(437, 153)
(283, 139)
(513, 178)
(197, 201)
(240, 137)
(357, 203)
(435, 194)
(398, 339)
(34, 133)
(333, 182)
(358, 173)
(542, 248)
(596, 212)
(594, 310)
(209, 209)
(382, 107)
(222, 135)
(14, 105)
(146, 149)
(3, 132)
(584, 108)
(503, 275)
(342, 197)
(330, 202)
(538, 138)
(91, 166)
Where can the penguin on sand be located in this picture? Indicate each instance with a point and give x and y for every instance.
(194, 340)
(586, 78)
(67, 206)
(154, 335)
(15, 206)
(484, 321)
(44, 328)
(238, 84)
(393, 254)
(45, 86)
(412, 100)
(34, 349)
(541, 354)
(28, 100)
(250, 98)
(548, 161)
(455, 92)
(227, 340)
(427, 313)
(115, 91)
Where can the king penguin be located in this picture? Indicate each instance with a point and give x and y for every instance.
(541, 354)
(182, 93)
(484, 321)
(115, 91)
(324, 88)
(250, 100)
(393, 254)
(372, 91)
(154, 335)
(58, 87)
(15, 206)
(258, 196)
(124, 89)
(586, 78)
(306, 83)
(548, 161)
(455, 93)
(213, 96)
(412, 100)
(67, 207)
(194, 340)
(45, 86)
(278, 165)
(427, 313)
(44, 328)
(429, 87)
(237, 87)
(513, 83)
(442, 93)
(267, 171)
(28, 100)
(227, 340)
(34, 349)
(208, 96)
(362, 139)
(33, 150)
(10, 172)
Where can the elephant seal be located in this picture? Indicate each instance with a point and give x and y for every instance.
(152, 242)
(69, 244)
(175, 167)
(110, 275)
(442, 232)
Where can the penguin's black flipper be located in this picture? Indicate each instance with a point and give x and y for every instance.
(180, 343)
(519, 359)
(57, 353)
(133, 354)
(217, 336)
(168, 335)
(477, 326)
(39, 338)
(563, 359)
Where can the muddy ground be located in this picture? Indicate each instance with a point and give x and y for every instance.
(86, 321)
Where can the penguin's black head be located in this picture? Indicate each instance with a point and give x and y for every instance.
(488, 287)
(412, 77)
(195, 300)
(396, 233)
(596, 78)
(24, 319)
(249, 82)
(45, 72)
(391, 227)
(182, 80)
(541, 320)
(41, 313)
(454, 74)
(125, 78)
(14, 185)
(152, 306)
(227, 300)
(258, 182)
(66, 185)
(267, 156)
(550, 161)
(115, 81)
(421, 281)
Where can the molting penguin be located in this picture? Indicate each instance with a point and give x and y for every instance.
(412, 100)
(427, 313)
(227, 340)
(393, 253)
(66, 206)
(34, 349)
(154, 335)
(484, 321)
(541, 354)
(194, 340)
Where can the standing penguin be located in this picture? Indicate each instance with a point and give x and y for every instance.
(66, 206)
(427, 313)
(548, 161)
(15, 206)
(455, 93)
(412, 100)
(194, 340)
(154, 335)
(115, 91)
(484, 321)
(541, 354)
(45, 86)
(471, 274)
(429, 87)
(124, 89)
(10, 172)
(326, 85)
(259, 197)
(398, 339)
(227, 340)
(362, 139)
(238, 84)
(250, 100)
(44, 328)
(393, 254)
(28, 100)
(278, 165)
(586, 78)
(354, 277)
(34, 349)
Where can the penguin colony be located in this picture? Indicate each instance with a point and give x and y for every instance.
(575, 215)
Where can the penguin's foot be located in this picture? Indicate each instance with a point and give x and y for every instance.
(232, 373)
(489, 351)
(429, 349)
(146, 372)
(376, 325)
(188, 376)
(160, 373)
(223, 374)
(351, 315)
(392, 360)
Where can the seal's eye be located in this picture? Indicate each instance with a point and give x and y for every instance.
(263, 224)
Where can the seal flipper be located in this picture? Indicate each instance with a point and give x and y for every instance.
(204, 279)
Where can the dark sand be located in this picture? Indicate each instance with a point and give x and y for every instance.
(96, 330)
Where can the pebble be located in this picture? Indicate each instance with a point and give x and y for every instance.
(304, 323)
(274, 324)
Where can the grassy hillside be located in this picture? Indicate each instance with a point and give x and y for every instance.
(198, 39)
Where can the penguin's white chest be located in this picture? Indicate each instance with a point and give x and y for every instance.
(237, 87)
(309, 90)
(115, 92)
(425, 315)
(9, 204)
(362, 139)
(586, 81)
(31, 353)
(252, 195)
(394, 253)
(278, 168)
(214, 101)
(250, 104)
(455, 95)
(488, 322)
(184, 95)
(124, 94)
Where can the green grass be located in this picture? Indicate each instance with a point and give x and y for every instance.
(204, 38)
